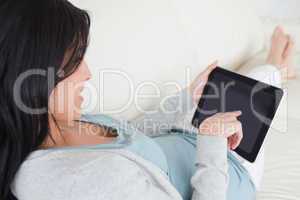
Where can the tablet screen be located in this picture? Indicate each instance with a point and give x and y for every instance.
(225, 93)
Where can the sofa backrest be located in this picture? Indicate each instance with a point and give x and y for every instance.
(142, 50)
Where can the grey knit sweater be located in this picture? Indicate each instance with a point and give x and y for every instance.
(120, 174)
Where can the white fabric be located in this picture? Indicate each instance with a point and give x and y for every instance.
(281, 177)
(270, 75)
(163, 42)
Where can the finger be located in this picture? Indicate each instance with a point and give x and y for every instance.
(219, 114)
(231, 140)
(232, 114)
(240, 136)
(222, 117)
(226, 117)
(228, 143)
(230, 128)
(237, 140)
(210, 68)
(229, 119)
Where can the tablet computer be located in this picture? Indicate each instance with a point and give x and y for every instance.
(227, 91)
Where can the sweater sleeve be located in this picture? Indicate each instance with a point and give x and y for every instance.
(170, 111)
(211, 178)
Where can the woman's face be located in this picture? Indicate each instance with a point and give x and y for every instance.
(65, 100)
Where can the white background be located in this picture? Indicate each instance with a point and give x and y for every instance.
(278, 8)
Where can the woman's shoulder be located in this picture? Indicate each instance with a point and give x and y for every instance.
(73, 159)
(67, 170)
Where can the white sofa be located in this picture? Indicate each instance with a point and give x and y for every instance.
(159, 41)
(282, 145)
(141, 50)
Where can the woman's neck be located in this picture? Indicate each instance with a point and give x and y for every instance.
(75, 133)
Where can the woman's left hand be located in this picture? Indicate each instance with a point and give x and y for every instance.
(197, 86)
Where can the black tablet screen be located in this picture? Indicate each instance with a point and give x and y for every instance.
(224, 94)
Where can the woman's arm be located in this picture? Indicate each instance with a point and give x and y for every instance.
(170, 111)
(173, 109)
(211, 178)
(216, 133)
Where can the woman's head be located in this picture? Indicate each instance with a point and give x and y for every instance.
(65, 99)
(42, 71)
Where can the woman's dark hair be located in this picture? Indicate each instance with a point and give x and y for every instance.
(35, 37)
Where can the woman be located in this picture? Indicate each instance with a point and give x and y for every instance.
(50, 151)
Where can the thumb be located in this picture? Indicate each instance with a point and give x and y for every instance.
(210, 68)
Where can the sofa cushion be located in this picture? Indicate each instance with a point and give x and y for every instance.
(281, 178)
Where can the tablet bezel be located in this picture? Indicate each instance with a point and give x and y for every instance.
(269, 89)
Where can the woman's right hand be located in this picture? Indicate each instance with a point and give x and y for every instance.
(226, 125)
